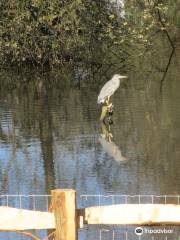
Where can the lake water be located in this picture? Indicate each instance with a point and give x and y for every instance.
(50, 137)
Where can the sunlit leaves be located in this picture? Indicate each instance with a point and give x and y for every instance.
(43, 32)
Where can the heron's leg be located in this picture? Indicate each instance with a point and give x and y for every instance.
(107, 100)
(110, 106)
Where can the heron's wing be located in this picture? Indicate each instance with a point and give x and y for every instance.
(108, 89)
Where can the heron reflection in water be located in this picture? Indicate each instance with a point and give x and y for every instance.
(104, 96)
(108, 144)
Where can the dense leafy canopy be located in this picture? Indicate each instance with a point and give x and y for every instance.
(49, 33)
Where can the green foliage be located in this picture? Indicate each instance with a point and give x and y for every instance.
(39, 31)
(49, 33)
(42, 32)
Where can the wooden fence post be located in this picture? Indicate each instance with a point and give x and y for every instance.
(64, 208)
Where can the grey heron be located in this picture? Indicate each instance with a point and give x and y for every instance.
(106, 92)
(109, 88)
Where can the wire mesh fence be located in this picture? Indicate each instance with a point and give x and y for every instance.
(128, 232)
(42, 202)
(99, 200)
(31, 202)
(101, 232)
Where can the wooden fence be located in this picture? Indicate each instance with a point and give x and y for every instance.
(65, 218)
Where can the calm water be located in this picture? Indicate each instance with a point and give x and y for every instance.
(51, 138)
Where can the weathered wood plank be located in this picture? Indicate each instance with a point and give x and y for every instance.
(20, 219)
(64, 208)
(138, 214)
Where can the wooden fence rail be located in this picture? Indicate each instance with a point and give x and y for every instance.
(66, 218)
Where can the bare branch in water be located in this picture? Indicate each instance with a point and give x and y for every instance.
(166, 69)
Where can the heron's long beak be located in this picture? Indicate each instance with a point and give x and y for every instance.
(122, 77)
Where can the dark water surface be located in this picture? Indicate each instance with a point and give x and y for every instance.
(50, 138)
